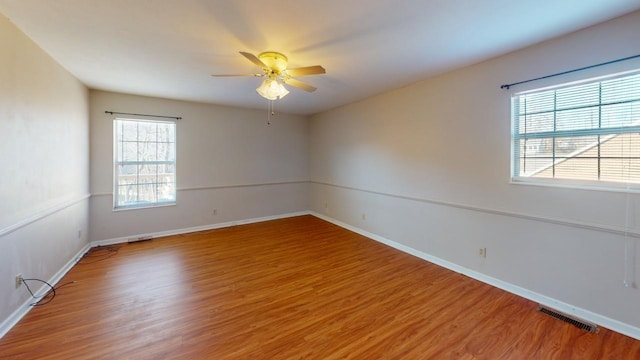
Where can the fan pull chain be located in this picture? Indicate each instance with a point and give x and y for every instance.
(270, 112)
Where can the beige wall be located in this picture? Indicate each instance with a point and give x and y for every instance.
(228, 159)
(429, 166)
(44, 162)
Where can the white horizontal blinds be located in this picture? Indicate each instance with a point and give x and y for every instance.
(589, 131)
(145, 163)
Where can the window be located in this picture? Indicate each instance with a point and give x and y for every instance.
(585, 133)
(144, 163)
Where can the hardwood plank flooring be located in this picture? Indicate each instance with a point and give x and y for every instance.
(297, 288)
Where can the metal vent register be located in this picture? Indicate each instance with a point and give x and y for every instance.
(569, 319)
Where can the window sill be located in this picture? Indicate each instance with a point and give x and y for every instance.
(145, 206)
(568, 184)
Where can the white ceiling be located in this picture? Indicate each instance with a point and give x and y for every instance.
(169, 48)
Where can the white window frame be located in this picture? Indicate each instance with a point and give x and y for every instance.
(165, 185)
(517, 136)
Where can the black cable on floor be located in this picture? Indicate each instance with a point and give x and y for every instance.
(100, 252)
(42, 297)
(52, 291)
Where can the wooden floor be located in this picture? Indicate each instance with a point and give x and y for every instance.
(297, 288)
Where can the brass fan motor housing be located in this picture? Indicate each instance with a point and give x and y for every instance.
(276, 61)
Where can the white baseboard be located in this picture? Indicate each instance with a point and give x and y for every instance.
(13, 319)
(196, 228)
(598, 319)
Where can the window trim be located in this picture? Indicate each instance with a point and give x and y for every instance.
(584, 184)
(115, 163)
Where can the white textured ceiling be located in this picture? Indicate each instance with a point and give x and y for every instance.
(169, 48)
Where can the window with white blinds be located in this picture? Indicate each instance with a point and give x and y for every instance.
(144, 163)
(580, 133)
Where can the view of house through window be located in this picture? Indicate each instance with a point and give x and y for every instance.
(144, 163)
(581, 133)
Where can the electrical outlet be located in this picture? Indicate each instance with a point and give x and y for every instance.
(215, 212)
(482, 252)
(18, 280)
(326, 206)
(79, 233)
(364, 216)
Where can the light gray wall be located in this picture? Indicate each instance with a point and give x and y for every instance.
(429, 167)
(228, 159)
(44, 162)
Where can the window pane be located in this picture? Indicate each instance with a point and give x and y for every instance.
(147, 193)
(166, 192)
(542, 122)
(148, 174)
(589, 112)
(622, 145)
(127, 179)
(166, 152)
(166, 132)
(538, 147)
(537, 102)
(127, 174)
(129, 131)
(578, 96)
(144, 163)
(127, 194)
(577, 168)
(129, 151)
(579, 146)
(147, 131)
(586, 118)
(147, 151)
(621, 158)
(626, 114)
(621, 170)
(536, 167)
(621, 89)
(118, 150)
(166, 171)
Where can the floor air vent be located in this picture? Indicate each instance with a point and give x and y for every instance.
(142, 238)
(569, 319)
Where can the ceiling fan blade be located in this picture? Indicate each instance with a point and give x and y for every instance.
(231, 75)
(307, 70)
(254, 59)
(299, 84)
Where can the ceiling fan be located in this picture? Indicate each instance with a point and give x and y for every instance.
(274, 68)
